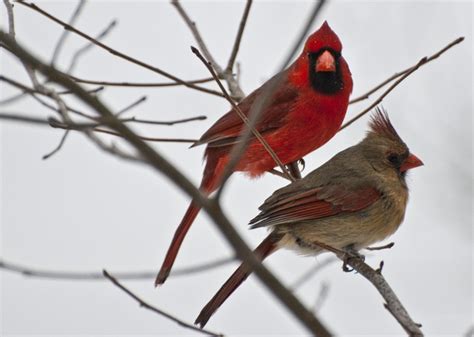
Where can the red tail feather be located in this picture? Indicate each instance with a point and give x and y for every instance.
(212, 174)
(263, 250)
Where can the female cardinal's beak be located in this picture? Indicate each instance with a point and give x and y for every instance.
(411, 162)
(325, 62)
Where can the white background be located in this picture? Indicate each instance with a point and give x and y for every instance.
(85, 210)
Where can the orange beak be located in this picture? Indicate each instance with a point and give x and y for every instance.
(325, 62)
(411, 162)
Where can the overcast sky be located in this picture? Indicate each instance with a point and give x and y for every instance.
(84, 210)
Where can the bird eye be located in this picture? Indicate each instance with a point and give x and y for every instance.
(394, 159)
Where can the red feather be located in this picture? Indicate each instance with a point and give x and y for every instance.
(299, 120)
(314, 204)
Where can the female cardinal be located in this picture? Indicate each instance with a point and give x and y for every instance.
(355, 199)
(308, 108)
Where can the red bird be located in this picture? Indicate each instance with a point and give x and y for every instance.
(307, 110)
(355, 199)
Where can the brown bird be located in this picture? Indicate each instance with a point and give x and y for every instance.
(355, 199)
(307, 109)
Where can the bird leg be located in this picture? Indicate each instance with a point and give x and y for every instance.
(350, 253)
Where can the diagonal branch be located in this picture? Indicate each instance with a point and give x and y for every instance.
(244, 119)
(62, 38)
(116, 52)
(227, 75)
(401, 73)
(318, 6)
(404, 75)
(238, 38)
(160, 312)
(160, 164)
(393, 304)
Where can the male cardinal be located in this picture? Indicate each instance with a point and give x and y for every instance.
(307, 109)
(355, 199)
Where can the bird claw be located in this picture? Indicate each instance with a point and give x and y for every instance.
(350, 254)
(302, 162)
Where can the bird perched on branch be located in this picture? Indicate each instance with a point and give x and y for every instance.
(307, 109)
(355, 199)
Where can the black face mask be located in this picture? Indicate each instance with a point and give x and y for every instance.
(325, 82)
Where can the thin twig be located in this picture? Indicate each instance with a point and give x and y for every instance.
(141, 85)
(17, 117)
(321, 297)
(148, 306)
(234, 87)
(309, 22)
(402, 76)
(58, 147)
(88, 46)
(62, 38)
(116, 52)
(402, 72)
(242, 116)
(55, 124)
(154, 159)
(238, 38)
(131, 106)
(98, 276)
(318, 6)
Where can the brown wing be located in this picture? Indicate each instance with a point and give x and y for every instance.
(228, 128)
(314, 204)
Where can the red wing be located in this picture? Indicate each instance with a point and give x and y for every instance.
(228, 128)
(314, 204)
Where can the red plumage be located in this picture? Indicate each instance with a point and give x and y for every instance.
(307, 109)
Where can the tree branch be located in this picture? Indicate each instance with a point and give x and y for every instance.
(234, 87)
(145, 305)
(116, 52)
(98, 276)
(393, 304)
(155, 160)
(402, 76)
(241, 144)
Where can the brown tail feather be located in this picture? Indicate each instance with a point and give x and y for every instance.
(266, 247)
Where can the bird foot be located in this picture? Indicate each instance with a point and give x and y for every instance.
(350, 253)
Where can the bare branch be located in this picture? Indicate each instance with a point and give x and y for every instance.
(321, 297)
(72, 126)
(238, 38)
(145, 305)
(116, 52)
(309, 22)
(393, 304)
(234, 87)
(154, 159)
(131, 106)
(134, 84)
(234, 158)
(98, 276)
(407, 73)
(62, 38)
(401, 73)
(17, 117)
(58, 147)
(88, 46)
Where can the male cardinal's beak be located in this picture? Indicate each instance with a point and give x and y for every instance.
(325, 62)
(411, 162)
